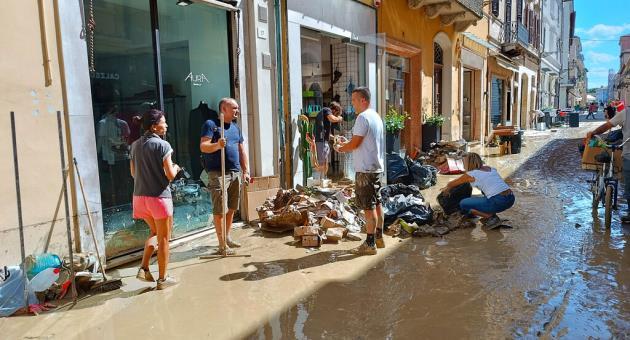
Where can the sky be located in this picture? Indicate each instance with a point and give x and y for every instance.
(599, 24)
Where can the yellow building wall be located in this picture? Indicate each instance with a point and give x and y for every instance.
(398, 21)
(24, 91)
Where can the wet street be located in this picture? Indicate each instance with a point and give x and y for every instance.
(557, 273)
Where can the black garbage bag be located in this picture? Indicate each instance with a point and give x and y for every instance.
(397, 171)
(450, 202)
(399, 189)
(424, 176)
(418, 214)
(410, 208)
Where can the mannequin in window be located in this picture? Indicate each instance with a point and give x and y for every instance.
(198, 116)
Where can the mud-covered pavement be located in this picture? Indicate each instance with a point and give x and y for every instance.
(557, 273)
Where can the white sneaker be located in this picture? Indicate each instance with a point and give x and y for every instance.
(166, 282)
(145, 275)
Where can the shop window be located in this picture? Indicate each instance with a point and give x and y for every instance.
(397, 74)
(438, 64)
(331, 69)
(194, 68)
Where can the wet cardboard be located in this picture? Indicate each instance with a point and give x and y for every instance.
(311, 241)
(305, 231)
(589, 162)
(255, 194)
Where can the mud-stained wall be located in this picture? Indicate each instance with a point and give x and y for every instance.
(24, 90)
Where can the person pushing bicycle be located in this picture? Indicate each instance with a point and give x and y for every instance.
(620, 118)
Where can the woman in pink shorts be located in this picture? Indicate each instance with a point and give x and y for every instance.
(153, 170)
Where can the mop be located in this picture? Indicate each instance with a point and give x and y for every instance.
(223, 201)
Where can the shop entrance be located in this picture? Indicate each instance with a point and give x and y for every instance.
(184, 71)
(331, 69)
(467, 103)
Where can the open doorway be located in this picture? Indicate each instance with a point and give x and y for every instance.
(467, 105)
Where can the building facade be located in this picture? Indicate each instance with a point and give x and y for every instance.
(513, 74)
(577, 95)
(550, 53)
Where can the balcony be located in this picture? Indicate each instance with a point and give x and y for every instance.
(517, 40)
(459, 13)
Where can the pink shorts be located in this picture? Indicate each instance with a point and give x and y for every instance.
(157, 208)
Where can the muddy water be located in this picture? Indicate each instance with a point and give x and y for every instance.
(556, 273)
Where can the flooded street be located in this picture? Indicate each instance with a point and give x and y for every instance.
(556, 273)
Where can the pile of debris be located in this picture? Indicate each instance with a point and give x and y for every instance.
(410, 172)
(316, 215)
(446, 156)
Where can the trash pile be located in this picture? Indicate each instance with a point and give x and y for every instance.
(47, 279)
(445, 156)
(316, 215)
(410, 172)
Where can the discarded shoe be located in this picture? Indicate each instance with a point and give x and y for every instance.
(166, 282)
(493, 222)
(232, 244)
(364, 249)
(144, 275)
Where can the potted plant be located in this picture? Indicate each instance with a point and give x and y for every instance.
(394, 123)
(431, 130)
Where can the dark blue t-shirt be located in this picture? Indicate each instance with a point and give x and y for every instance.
(233, 136)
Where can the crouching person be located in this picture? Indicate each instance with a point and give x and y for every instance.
(497, 196)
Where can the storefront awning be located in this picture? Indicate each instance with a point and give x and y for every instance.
(478, 40)
(506, 64)
(218, 4)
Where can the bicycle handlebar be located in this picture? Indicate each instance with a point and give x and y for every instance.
(612, 146)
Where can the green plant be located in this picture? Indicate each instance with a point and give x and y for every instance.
(435, 120)
(395, 120)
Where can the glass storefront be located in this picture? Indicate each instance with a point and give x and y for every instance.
(331, 69)
(397, 78)
(193, 73)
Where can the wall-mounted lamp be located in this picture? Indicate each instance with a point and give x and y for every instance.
(184, 3)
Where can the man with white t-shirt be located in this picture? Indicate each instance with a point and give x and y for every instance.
(620, 118)
(367, 152)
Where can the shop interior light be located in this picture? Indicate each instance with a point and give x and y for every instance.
(184, 2)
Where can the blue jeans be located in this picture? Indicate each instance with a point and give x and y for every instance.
(626, 179)
(492, 205)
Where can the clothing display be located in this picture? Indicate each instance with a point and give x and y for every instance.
(112, 137)
(196, 120)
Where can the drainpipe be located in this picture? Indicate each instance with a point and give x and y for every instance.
(283, 98)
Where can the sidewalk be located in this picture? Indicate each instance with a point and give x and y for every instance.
(231, 297)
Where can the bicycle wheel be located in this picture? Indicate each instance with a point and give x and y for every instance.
(595, 193)
(608, 202)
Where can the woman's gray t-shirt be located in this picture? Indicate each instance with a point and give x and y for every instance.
(148, 154)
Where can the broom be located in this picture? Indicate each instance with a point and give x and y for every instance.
(106, 285)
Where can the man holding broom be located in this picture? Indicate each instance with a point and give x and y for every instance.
(225, 159)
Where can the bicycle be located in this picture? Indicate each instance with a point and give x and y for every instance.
(604, 185)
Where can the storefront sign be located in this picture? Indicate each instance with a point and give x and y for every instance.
(197, 79)
(106, 75)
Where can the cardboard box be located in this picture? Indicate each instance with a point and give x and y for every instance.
(305, 231)
(589, 162)
(255, 194)
(311, 241)
(335, 234)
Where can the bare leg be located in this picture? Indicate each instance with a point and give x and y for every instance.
(370, 220)
(163, 227)
(149, 248)
(380, 217)
(218, 219)
(228, 221)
